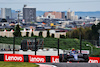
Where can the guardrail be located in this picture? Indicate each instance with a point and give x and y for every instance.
(37, 58)
(29, 58)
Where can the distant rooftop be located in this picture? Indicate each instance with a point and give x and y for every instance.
(25, 6)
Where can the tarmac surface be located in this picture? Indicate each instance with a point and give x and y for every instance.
(76, 64)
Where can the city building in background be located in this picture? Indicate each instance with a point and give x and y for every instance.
(20, 16)
(71, 15)
(55, 15)
(14, 14)
(6, 13)
(29, 14)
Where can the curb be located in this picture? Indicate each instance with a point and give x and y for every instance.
(46, 65)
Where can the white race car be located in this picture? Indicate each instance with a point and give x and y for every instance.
(76, 57)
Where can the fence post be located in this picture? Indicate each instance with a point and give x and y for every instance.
(14, 45)
(35, 45)
(80, 42)
(58, 47)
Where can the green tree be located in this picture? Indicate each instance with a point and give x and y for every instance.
(62, 36)
(32, 34)
(17, 32)
(80, 17)
(48, 33)
(94, 29)
(75, 33)
(68, 34)
(52, 35)
(27, 34)
(40, 33)
(98, 26)
(87, 33)
(95, 34)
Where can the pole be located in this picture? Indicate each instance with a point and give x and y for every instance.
(80, 43)
(14, 44)
(35, 46)
(91, 49)
(18, 17)
(58, 47)
(99, 38)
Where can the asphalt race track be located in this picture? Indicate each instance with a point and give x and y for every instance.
(76, 64)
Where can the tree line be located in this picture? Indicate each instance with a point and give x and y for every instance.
(17, 33)
(87, 33)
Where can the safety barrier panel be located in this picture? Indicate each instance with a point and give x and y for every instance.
(54, 59)
(14, 57)
(29, 58)
(38, 58)
(94, 60)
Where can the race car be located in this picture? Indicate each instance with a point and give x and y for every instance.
(74, 57)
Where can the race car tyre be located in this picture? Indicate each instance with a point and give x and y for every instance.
(63, 57)
(85, 56)
(60, 57)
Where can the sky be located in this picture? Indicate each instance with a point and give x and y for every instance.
(53, 5)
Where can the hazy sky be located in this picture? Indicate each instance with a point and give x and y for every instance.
(53, 5)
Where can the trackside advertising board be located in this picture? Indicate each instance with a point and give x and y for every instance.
(84, 51)
(36, 59)
(54, 59)
(94, 60)
(14, 57)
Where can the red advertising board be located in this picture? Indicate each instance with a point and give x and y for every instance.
(54, 59)
(14, 57)
(36, 59)
(94, 60)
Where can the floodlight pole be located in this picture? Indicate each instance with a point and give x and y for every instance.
(18, 15)
(14, 44)
(58, 47)
(35, 46)
(91, 48)
(80, 37)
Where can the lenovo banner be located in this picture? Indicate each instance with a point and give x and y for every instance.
(94, 60)
(54, 59)
(14, 57)
(84, 51)
(36, 59)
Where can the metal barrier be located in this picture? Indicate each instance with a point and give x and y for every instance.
(29, 58)
(8, 47)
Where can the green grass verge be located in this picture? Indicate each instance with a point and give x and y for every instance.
(17, 64)
(50, 42)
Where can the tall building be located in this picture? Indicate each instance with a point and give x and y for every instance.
(55, 15)
(29, 14)
(76, 17)
(71, 15)
(6, 13)
(63, 15)
(20, 16)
